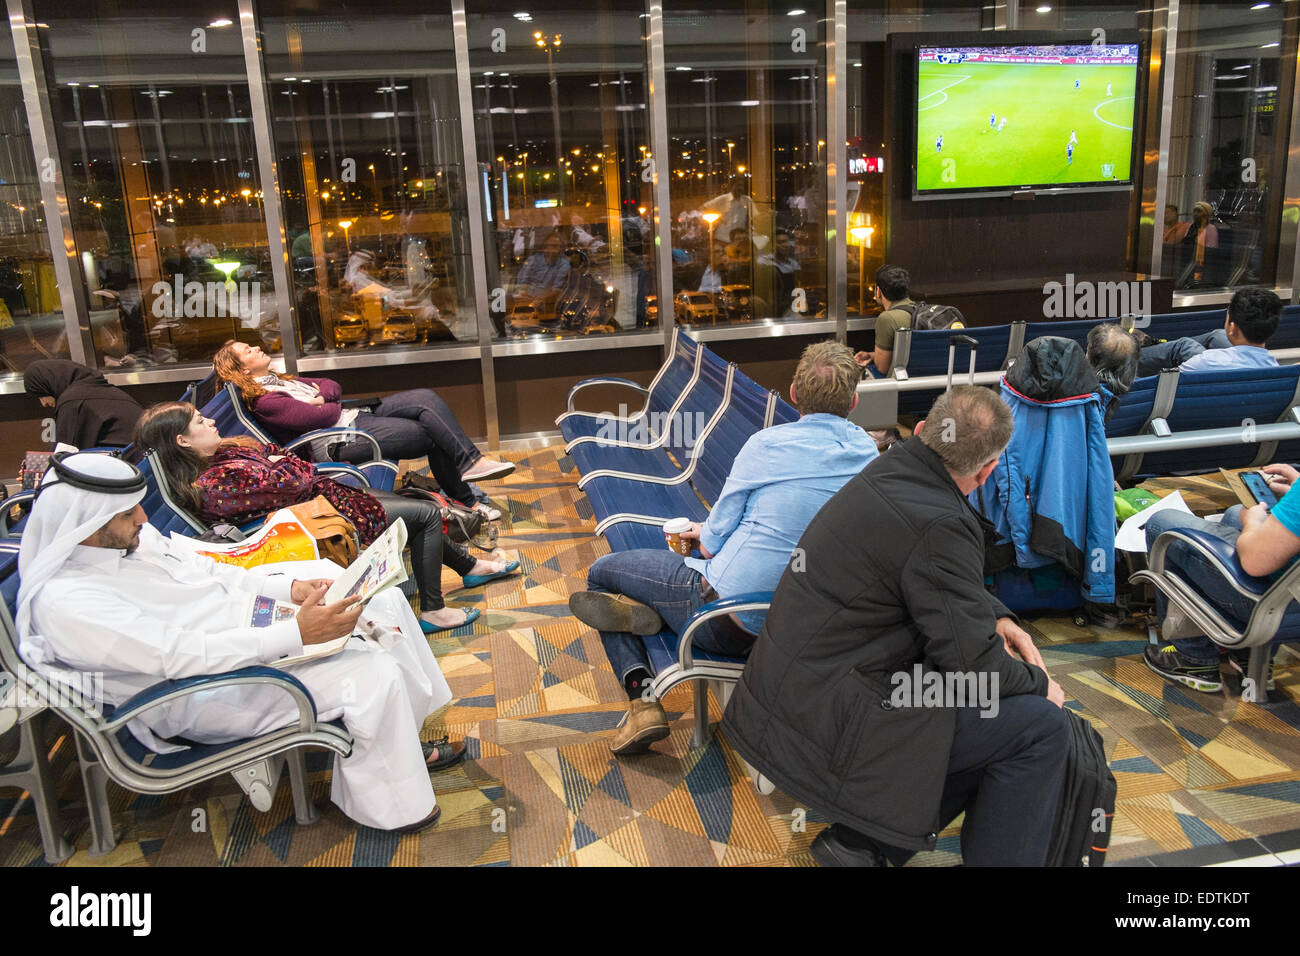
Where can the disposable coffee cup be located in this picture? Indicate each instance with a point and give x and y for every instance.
(673, 532)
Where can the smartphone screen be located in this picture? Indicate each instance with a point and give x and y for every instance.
(1258, 486)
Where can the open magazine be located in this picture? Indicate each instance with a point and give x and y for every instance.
(282, 538)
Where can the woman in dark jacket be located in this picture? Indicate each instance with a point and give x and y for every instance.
(237, 480)
(88, 412)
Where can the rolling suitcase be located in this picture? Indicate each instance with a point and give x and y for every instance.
(1086, 812)
(953, 342)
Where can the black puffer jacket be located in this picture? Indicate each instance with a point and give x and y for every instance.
(892, 576)
(1051, 368)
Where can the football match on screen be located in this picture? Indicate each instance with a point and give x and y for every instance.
(1008, 117)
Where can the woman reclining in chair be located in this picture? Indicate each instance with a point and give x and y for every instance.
(238, 479)
(410, 424)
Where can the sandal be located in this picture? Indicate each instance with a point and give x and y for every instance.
(447, 755)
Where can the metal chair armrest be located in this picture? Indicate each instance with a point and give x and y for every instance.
(339, 433)
(751, 601)
(343, 468)
(170, 690)
(587, 383)
(6, 505)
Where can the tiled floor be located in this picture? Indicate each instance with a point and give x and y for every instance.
(536, 702)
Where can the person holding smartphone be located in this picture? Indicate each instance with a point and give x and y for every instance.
(1267, 540)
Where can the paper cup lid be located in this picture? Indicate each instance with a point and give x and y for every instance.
(677, 525)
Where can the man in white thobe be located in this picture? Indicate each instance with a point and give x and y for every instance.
(104, 592)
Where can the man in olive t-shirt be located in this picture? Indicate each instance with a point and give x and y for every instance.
(891, 293)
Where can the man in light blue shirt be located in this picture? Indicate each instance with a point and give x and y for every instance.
(1253, 316)
(778, 482)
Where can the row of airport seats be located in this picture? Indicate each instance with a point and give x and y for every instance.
(671, 459)
(920, 359)
(1170, 423)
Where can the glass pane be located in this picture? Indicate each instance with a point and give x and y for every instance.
(747, 150)
(31, 317)
(563, 134)
(1227, 148)
(152, 115)
(367, 132)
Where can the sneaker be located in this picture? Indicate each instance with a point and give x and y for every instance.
(1169, 664)
(1239, 661)
(486, 468)
(644, 723)
(487, 511)
(615, 612)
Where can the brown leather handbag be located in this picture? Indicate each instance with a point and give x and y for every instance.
(336, 536)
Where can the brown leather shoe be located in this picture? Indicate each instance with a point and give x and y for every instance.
(645, 723)
(615, 612)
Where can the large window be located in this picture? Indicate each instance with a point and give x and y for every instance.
(564, 145)
(31, 317)
(1227, 148)
(366, 120)
(747, 160)
(153, 122)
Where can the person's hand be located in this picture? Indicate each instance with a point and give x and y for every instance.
(300, 591)
(274, 458)
(1280, 478)
(1055, 693)
(318, 400)
(1017, 641)
(1252, 518)
(318, 623)
(693, 532)
(862, 358)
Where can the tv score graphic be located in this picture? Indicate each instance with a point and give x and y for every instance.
(1009, 117)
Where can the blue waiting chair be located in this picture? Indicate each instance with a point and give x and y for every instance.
(663, 397)
(675, 659)
(1275, 618)
(107, 750)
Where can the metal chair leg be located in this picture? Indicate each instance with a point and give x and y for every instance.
(94, 781)
(304, 810)
(31, 770)
(1257, 671)
(700, 736)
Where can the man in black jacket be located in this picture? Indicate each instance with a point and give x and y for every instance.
(883, 690)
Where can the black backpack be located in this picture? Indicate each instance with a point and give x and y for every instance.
(927, 316)
(1081, 834)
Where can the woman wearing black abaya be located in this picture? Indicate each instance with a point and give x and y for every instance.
(88, 412)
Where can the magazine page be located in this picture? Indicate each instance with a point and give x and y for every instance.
(263, 611)
(378, 567)
(281, 538)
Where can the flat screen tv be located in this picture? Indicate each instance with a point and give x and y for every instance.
(1000, 118)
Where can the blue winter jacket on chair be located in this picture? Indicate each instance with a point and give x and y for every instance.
(1051, 497)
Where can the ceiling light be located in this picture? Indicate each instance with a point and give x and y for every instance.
(221, 22)
(795, 13)
(1043, 9)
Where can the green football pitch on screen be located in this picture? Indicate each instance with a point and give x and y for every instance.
(983, 125)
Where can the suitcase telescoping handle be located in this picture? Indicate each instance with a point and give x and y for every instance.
(953, 342)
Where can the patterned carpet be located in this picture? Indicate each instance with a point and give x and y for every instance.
(537, 704)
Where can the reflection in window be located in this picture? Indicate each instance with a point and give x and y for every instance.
(31, 316)
(563, 133)
(1223, 206)
(152, 116)
(747, 151)
(366, 122)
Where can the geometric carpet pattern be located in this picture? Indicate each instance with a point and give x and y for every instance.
(537, 704)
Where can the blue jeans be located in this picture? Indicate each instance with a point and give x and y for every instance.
(413, 424)
(1006, 773)
(1202, 574)
(1174, 353)
(662, 580)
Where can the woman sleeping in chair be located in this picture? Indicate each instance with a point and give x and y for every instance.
(238, 479)
(410, 424)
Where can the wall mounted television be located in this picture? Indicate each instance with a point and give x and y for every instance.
(996, 118)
